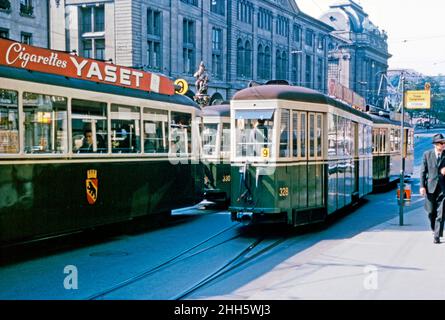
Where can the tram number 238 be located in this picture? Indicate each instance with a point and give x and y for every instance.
(283, 192)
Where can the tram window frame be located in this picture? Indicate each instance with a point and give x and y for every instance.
(303, 131)
(285, 144)
(176, 125)
(214, 126)
(225, 136)
(9, 134)
(311, 135)
(123, 115)
(79, 107)
(332, 135)
(160, 119)
(43, 111)
(319, 135)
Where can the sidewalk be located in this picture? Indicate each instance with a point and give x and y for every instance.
(384, 262)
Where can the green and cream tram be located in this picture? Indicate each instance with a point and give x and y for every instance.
(76, 154)
(297, 155)
(386, 141)
(215, 153)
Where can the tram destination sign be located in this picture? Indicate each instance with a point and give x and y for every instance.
(19, 55)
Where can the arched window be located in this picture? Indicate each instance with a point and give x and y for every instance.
(240, 58)
(267, 63)
(260, 66)
(248, 60)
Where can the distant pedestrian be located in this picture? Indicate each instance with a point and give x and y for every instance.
(430, 187)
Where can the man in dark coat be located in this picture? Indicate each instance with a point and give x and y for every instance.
(430, 186)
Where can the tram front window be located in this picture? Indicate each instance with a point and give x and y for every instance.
(225, 139)
(209, 137)
(254, 133)
(9, 122)
(155, 131)
(45, 123)
(89, 126)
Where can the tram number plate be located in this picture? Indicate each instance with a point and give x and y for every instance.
(226, 178)
(265, 152)
(284, 192)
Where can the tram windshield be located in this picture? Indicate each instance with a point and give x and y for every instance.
(254, 133)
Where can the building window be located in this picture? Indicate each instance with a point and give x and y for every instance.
(265, 19)
(320, 44)
(247, 60)
(308, 80)
(296, 33)
(188, 32)
(92, 19)
(309, 38)
(281, 67)
(26, 38)
(283, 26)
(294, 74)
(218, 7)
(26, 7)
(244, 11)
(192, 2)
(5, 5)
(320, 74)
(217, 52)
(154, 39)
(92, 26)
(4, 33)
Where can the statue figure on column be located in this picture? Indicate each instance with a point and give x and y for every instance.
(201, 83)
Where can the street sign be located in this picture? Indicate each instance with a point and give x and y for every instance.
(418, 99)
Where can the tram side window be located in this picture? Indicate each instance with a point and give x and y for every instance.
(45, 123)
(125, 129)
(89, 126)
(319, 135)
(181, 133)
(155, 131)
(332, 134)
(209, 137)
(285, 134)
(311, 135)
(225, 139)
(303, 131)
(9, 122)
(341, 136)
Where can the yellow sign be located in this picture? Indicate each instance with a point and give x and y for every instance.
(181, 86)
(265, 152)
(420, 99)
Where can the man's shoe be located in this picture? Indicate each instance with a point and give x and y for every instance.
(436, 240)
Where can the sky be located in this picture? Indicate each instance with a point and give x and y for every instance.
(416, 30)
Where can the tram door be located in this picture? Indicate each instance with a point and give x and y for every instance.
(356, 161)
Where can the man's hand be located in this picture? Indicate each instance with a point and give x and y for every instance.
(443, 171)
(423, 192)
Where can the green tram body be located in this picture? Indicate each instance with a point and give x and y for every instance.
(215, 153)
(386, 141)
(316, 160)
(43, 185)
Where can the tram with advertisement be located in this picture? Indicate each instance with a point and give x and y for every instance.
(84, 143)
(297, 155)
(215, 153)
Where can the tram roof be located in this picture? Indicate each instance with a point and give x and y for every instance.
(382, 120)
(293, 93)
(57, 80)
(219, 110)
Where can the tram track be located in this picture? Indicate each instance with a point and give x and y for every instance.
(170, 262)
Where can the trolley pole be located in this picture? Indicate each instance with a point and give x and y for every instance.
(402, 171)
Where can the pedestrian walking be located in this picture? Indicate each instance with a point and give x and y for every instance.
(430, 187)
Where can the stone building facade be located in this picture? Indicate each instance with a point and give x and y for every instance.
(238, 40)
(25, 21)
(360, 59)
